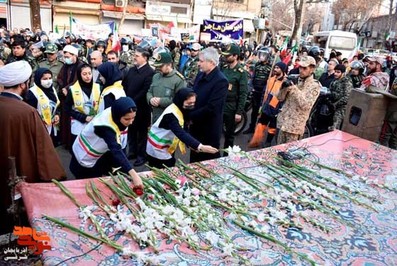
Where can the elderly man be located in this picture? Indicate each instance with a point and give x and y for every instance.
(207, 117)
(24, 137)
(299, 100)
(95, 60)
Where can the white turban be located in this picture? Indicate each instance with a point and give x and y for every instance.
(70, 49)
(15, 73)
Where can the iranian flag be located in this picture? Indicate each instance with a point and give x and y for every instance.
(116, 46)
(283, 48)
(289, 56)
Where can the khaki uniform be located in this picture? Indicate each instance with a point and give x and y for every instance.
(55, 67)
(296, 109)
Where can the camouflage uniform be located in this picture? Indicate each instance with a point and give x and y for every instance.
(128, 58)
(379, 80)
(356, 80)
(30, 59)
(296, 109)
(190, 70)
(340, 91)
(176, 55)
(388, 135)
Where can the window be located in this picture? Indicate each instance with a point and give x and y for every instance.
(342, 43)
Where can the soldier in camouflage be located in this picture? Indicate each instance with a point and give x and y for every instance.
(191, 68)
(237, 92)
(299, 100)
(339, 95)
(127, 54)
(376, 79)
(19, 53)
(261, 73)
(175, 53)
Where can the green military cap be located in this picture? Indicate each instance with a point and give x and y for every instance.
(232, 49)
(51, 48)
(307, 61)
(162, 58)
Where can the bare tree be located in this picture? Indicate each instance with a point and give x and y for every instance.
(281, 16)
(35, 17)
(350, 14)
(299, 13)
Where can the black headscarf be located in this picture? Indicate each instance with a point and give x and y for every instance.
(121, 107)
(181, 96)
(86, 87)
(111, 72)
(37, 80)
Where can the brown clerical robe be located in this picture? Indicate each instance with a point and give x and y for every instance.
(23, 135)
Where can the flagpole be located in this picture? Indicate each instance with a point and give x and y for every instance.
(70, 22)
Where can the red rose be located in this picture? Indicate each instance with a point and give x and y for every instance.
(138, 191)
(115, 202)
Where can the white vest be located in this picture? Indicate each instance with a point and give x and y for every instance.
(43, 104)
(89, 147)
(88, 106)
(116, 89)
(162, 143)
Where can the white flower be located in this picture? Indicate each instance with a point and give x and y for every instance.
(127, 252)
(186, 201)
(212, 237)
(195, 191)
(228, 249)
(260, 217)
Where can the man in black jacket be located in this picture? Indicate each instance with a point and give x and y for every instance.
(211, 87)
(136, 84)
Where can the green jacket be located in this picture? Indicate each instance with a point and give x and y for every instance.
(165, 88)
(55, 67)
(238, 88)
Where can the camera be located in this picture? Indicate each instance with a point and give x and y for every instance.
(291, 80)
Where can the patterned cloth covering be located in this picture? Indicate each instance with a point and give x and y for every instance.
(358, 235)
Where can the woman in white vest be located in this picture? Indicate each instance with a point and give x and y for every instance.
(112, 88)
(168, 132)
(44, 98)
(99, 147)
(82, 100)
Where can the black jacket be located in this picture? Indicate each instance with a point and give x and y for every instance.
(136, 84)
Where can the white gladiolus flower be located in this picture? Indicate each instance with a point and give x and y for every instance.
(127, 252)
(261, 217)
(228, 249)
(212, 237)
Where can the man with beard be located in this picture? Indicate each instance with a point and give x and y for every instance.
(270, 108)
(136, 84)
(237, 92)
(376, 79)
(340, 91)
(24, 137)
(299, 100)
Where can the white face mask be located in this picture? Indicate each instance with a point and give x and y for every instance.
(125, 48)
(46, 83)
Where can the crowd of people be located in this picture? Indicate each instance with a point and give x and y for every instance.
(109, 108)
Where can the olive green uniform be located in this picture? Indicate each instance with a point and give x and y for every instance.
(235, 100)
(55, 67)
(165, 88)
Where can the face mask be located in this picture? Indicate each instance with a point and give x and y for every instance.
(68, 61)
(125, 48)
(46, 83)
(188, 107)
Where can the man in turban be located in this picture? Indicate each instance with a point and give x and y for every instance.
(23, 136)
